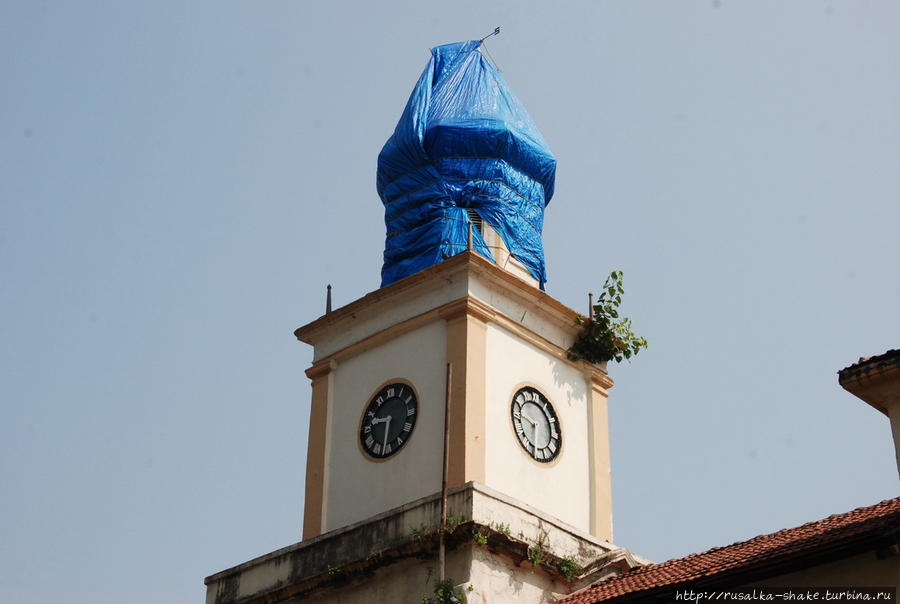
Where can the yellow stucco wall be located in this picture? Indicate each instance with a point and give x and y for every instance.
(560, 488)
(356, 486)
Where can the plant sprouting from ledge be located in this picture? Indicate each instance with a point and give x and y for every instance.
(537, 553)
(569, 568)
(445, 592)
(605, 336)
(480, 538)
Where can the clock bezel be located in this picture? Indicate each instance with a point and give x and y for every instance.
(362, 416)
(559, 421)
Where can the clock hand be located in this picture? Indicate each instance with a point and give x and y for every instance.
(387, 429)
(535, 425)
(378, 420)
(533, 428)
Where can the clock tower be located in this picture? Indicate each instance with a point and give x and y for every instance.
(452, 442)
(523, 420)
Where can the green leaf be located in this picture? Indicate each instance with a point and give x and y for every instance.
(604, 336)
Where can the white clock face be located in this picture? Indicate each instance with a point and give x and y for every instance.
(536, 424)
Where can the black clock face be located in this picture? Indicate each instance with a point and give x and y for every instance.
(388, 420)
(536, 424)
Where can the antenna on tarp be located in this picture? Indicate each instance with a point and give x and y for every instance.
(496, 32)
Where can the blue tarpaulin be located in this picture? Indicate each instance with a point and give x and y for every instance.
(463, 141)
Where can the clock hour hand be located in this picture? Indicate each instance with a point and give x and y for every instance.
(387, 428)
(533, 423)
(380, 420)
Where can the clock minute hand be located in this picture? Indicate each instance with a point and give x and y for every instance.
(387, 429)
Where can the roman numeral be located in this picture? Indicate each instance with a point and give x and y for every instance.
(367, 429)
(377, 448)
(517, 415)
(407, 426)
(539, 454)
(399, 440)
(379, 401)
(410, 411)
(387, 449)
(552, 447)
(390, 393)
(370, 442)
(407, 399)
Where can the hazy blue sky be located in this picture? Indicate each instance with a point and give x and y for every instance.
(179, 181)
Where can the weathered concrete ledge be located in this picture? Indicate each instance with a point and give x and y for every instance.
(509, 533)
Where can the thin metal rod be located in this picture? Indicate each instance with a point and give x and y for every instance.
(496, 32)
(443, 528)
(328, 300)
(590, 306)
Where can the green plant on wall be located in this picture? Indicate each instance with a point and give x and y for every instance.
(605, 336)
(336, 574)
(453, 523)
(445, 592)
(537, 553)
(500, 527)
(479, 538)
(569, 568)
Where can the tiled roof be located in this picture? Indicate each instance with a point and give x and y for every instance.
(866, 364)
(840, 530)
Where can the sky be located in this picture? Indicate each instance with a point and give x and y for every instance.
(180, 181)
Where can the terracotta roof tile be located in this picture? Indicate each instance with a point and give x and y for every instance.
(865, 364)
(840, 529)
